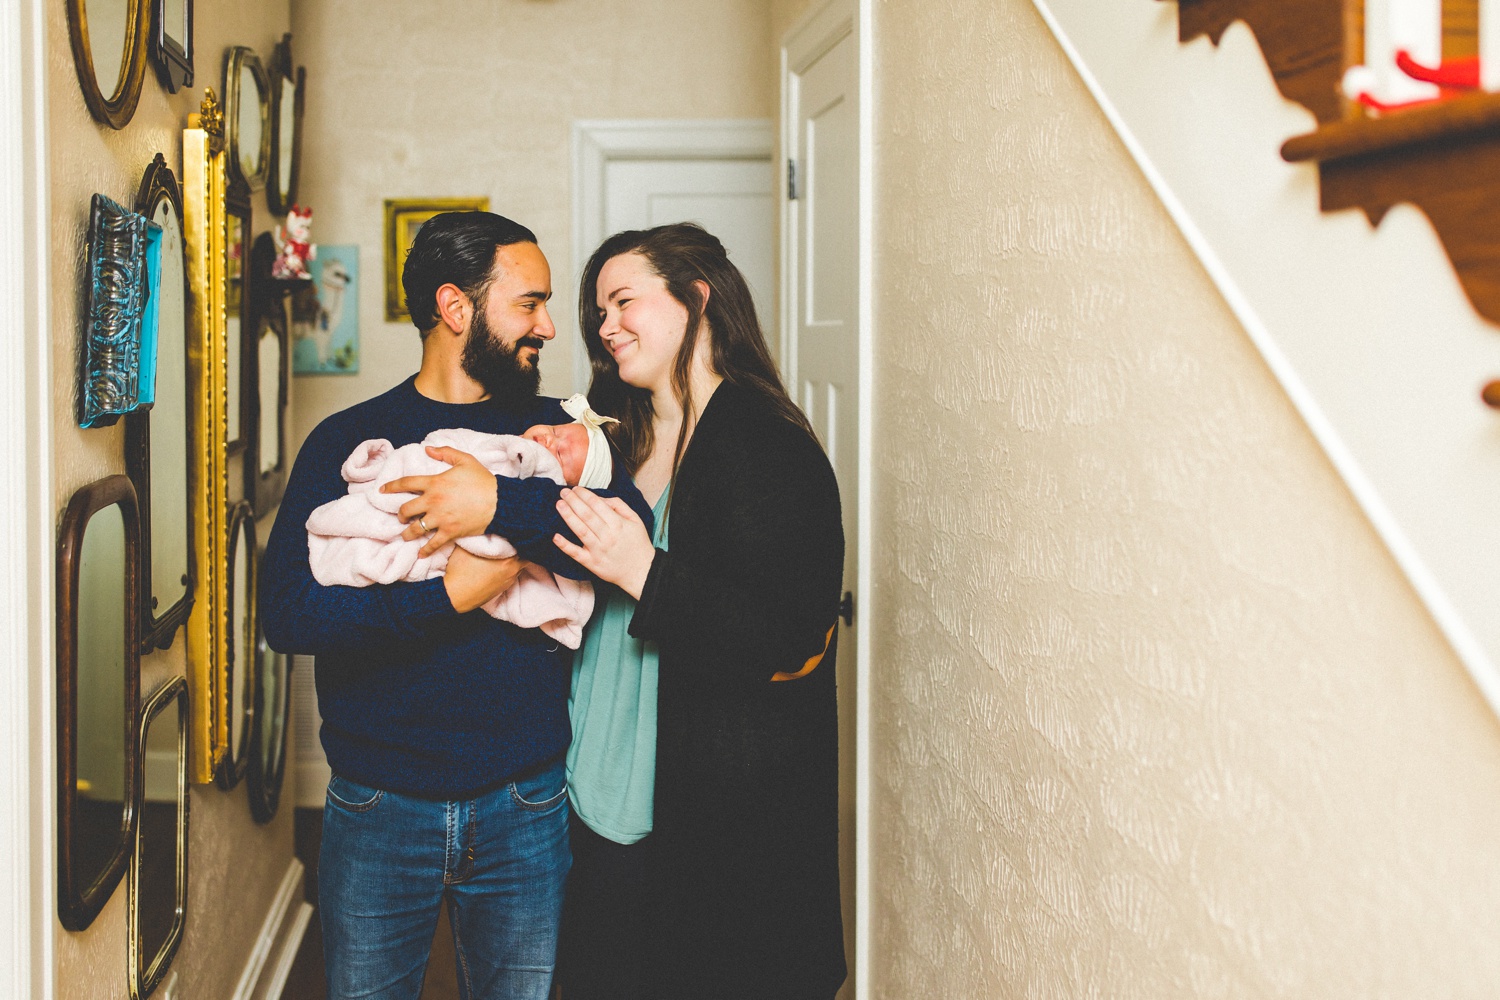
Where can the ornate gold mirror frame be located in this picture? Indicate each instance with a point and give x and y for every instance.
(204, 218)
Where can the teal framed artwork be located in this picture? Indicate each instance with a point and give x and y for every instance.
(325, 314)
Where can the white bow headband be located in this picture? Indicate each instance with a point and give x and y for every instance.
(599, 466)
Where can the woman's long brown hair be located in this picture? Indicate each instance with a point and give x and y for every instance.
(681, 254)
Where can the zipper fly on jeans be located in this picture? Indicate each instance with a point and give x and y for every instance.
(458, 861)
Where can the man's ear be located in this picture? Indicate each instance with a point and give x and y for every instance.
(453, 308)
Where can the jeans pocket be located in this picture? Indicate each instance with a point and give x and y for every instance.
(351, 796)
(543, 791)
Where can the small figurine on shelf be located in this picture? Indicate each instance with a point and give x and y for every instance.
(293, 249)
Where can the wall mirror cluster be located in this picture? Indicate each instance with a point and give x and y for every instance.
(158, 869)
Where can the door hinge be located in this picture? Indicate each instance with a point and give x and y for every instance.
(791, 180)
(846, 608)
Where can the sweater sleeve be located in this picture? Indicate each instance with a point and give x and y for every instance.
(763, 604)
(526, 514)
(299, 614)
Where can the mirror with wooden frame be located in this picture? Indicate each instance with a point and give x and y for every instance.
(98, 689)
(203, 196)
(237, 300)
(273, 702)
(172, 42)
(267, 372)
(158, 866)
(168, 571)
(242, 644)
(247, 116)
(109, 40)
(288, 96)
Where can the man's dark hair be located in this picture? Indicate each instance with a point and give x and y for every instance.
(455, 248)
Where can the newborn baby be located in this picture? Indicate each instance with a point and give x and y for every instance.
(355, 541)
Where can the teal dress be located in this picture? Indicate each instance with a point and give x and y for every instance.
(612, 759)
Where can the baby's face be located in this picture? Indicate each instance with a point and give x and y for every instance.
(569, 443)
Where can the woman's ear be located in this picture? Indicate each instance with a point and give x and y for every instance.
(453, 308)
(702, 287)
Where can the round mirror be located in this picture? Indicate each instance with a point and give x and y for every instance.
(270, 398)
(241, 642)
(268, 746)
(247, 111)
(109, 54)
(157, 440)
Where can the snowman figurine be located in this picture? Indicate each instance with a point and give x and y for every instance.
(293, 249)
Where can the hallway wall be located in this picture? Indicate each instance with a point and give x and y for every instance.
(481, 101)
(1156, 714)
(235, 865)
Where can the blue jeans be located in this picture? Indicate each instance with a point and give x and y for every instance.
(389, 861)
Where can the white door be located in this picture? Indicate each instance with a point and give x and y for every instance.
(733, 199)
(639, 174)
(821, 303)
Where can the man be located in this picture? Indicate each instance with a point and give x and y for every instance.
(445, 728)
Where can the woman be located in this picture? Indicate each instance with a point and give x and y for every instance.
(735, 892)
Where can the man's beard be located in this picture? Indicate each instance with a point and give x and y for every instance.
(498, 367)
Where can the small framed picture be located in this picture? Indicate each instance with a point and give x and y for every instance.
(325, 314)
(403, 217)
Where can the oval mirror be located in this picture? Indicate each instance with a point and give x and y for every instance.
(242, 644)
(288, 94)
(268, 734)
(109, 54)
(98, 687)
(247, 114)
(157, 440)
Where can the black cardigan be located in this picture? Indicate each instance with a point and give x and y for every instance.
(745, 835)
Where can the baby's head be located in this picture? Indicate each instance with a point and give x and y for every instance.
(580, 447)
(569, 444)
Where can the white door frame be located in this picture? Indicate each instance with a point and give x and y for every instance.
(597, 142)
(28, 529)
(817, 32)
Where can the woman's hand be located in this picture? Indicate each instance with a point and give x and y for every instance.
(472, 581)
(459, 503)
(616, 546)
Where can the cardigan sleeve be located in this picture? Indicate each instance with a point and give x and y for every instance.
(762, 601)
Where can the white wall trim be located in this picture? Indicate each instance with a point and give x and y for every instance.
(597, 142)
(812, 36)
(28, 531)
(1468, 649)
(285, 922)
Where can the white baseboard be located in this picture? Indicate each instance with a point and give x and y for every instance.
(276, 980)
(285, 924)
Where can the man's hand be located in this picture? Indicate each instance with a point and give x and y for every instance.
(459, 503)
(472, 581)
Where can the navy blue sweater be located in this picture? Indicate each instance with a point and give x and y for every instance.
(415, 697)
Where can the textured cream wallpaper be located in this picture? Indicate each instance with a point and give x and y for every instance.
(478, 98)
(235, 866)
(1156, 714)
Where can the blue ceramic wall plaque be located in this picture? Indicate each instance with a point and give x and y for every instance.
(120, 327)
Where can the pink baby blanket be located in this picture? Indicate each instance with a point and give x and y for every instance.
(355, 541)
